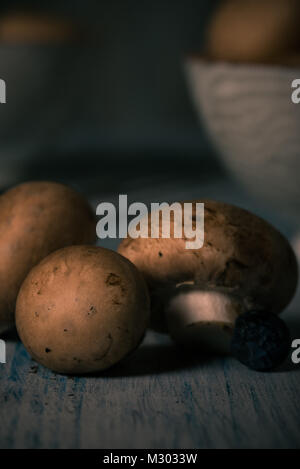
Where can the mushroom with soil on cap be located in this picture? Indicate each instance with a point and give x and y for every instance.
(245, 264)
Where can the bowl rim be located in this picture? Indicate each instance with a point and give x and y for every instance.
(206, 60)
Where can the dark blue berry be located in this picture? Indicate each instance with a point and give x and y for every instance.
(260, 340)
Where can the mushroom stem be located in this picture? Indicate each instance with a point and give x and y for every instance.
(203, 318)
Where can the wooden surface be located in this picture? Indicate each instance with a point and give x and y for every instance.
(160, 397)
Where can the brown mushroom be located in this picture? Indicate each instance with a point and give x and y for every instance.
(36, 219)
(244, 264)
(82, 310)
(255, 31)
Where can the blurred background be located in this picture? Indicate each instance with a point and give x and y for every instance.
(98, 96)
(99, 86)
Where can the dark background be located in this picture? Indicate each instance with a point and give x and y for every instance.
(114, 100)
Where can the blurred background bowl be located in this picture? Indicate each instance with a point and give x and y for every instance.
(255, 127)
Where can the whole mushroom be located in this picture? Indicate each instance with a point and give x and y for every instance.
(37, 218)
(82, 309)
(245, 264)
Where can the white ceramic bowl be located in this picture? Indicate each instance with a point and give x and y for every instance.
(254, 125)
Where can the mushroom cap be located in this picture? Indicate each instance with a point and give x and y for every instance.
(259, 31)
(37, 218)
(82, 310)
(242, 254)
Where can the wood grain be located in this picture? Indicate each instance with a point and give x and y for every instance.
(159, 398)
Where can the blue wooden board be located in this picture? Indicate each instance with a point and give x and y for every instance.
(159, 398)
